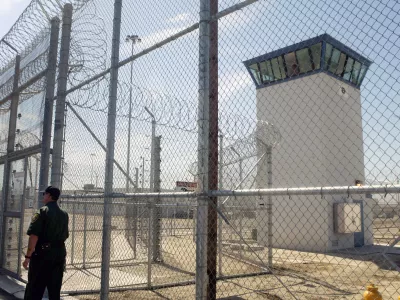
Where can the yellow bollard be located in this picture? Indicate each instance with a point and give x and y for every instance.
(372, 293)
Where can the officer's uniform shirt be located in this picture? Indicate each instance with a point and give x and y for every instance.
(50, 224)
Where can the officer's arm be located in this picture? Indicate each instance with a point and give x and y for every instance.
(34, 231)
(32, 244)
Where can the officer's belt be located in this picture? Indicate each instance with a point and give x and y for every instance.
(49, 245)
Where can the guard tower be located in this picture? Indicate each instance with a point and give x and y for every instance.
(311, 92)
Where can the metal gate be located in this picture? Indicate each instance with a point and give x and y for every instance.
(17, 207)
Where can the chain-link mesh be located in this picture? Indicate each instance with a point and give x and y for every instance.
(255, 148)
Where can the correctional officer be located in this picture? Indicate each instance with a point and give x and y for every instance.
(46, 249)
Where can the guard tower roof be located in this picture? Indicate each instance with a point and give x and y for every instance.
(319, 54)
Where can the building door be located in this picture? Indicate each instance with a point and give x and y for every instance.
(359, 236)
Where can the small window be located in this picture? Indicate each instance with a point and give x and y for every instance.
(266, 72)
(255, 72)
(291, 64)
(303, 57)
(282, 66)
(362, 74)
(340, 67)
(276, 69)
(328, 55)
(334, 63)
(316, 56)
(348, 68)
(356, 72)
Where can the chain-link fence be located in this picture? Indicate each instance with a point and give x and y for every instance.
(209, 149)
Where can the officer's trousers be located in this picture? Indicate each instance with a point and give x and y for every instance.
(45, 271)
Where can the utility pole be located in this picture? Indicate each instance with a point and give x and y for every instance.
(132, 39)
(153, 136)
(91, 171)
(142, 157)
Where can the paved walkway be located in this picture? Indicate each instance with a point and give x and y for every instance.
(5, 296)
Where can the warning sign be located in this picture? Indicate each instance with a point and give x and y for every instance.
(186, 186)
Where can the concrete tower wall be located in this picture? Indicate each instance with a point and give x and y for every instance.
(319, 118)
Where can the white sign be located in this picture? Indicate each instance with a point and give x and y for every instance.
(18, 183)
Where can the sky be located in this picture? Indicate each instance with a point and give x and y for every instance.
(10, 10)
(170, 73)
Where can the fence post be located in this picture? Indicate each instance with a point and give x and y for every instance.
(156, 207)
(149, 241)
(206, 242)
(203, 147)
(140, 218)
(59, 121)
(73, 230)
(269, 206)
(194, 224)
(108, 182)
(84, 234)
(153, 149)
(135, 214)
(220, 205)
(174, 222)
(135, 224)
(48, 107)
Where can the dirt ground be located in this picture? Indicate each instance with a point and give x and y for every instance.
(302, 274)
(305, 275)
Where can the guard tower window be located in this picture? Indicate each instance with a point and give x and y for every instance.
(334, 63)
(356, 72)
(316, 55)
(266, 72)
(348, 68)
(304, 59)
(291, 64)
(255, 72)
(282, 67)
(340, 67)
(278, 74)
(344, 66)
(364, 69)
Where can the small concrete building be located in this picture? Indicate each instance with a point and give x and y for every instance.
(311, 92)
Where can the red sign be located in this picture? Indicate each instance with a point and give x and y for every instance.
(186, 184)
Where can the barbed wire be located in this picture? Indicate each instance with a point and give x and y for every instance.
(169, 110)
(264, 135)
(88, 52)
(31, 28)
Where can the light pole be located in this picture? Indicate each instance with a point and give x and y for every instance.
(91, 172)
(134, 39)
(220, 205)
(153, 136)
(142, 158)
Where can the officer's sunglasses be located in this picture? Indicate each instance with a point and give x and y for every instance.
(44, 193)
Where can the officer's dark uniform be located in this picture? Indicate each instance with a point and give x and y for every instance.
(47, 264)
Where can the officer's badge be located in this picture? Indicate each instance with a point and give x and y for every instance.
(35, 218)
